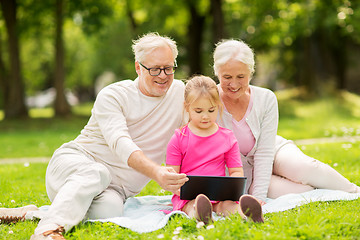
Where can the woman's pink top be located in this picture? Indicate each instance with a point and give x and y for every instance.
(243, 132)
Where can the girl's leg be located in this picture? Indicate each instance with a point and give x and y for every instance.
(248, 206)
(200, 208)
(290, 162)
(189, 208)
(251, 207)
(226, 208)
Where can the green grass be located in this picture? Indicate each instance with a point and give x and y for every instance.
(344, 157)
(40, 135)
(326, 117)
(23, 184)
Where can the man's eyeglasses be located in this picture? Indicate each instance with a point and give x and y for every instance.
(156, 71)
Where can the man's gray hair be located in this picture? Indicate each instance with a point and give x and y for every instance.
(150, 41)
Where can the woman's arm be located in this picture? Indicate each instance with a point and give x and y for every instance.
(264, 155)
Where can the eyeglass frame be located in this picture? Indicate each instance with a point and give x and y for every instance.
(161, 69)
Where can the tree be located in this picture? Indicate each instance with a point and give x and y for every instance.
(320, 35)
(218, 24)
(61, 105)
(3, 74)
(195, 38)
(130, 16)
(14, 97)
(91, 13)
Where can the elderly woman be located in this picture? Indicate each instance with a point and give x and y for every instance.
(273, 165)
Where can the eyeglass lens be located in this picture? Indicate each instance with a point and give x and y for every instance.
(157, 71)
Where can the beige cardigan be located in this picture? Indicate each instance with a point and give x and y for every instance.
(263, 122)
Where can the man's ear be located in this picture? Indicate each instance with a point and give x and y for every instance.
(137, 68)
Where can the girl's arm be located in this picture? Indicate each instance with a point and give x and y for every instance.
(236, 172)
(174, 160)
(175, 167)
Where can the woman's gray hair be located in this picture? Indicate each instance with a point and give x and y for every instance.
(150, 41)
(232, 49)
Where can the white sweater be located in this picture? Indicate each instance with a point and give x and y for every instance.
(124, 120)
(263, 122)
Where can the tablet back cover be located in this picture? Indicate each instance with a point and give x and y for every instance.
(214, 187)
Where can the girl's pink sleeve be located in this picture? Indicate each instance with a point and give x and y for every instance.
(173, 152)
(233, 157)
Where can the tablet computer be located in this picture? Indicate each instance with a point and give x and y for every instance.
(214, 187)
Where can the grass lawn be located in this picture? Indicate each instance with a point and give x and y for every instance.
(40, 135)
(23, 184)
(327, 117)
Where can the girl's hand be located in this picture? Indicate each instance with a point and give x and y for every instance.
(177, 192)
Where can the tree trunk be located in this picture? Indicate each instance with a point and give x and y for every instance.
(218, 20)
(3, 77)
(326, 60)
(339, 54)
(130, 15)
(62, 107)
(14, 102)
(305, 71)
(195, 38)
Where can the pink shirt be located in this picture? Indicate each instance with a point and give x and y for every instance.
(243, 132)
(202, 155)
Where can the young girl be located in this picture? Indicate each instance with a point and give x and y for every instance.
(201, 147)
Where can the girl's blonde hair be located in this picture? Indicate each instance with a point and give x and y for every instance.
(202, 86)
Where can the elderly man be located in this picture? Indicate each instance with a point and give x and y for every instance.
(122, 146)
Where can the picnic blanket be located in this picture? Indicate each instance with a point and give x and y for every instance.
(148, 213)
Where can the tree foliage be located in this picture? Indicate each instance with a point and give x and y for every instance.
(313, 43)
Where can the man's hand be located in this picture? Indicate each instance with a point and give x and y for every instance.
(170, 180)
(166, 177)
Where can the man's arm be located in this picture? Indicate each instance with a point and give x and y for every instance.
(166, 177)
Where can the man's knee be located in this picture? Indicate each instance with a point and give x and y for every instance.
(94, 174)
(89, 180)
(106, 205)
(103, 174)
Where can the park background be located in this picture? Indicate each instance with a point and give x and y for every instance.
(63, 48)
(55, 55)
